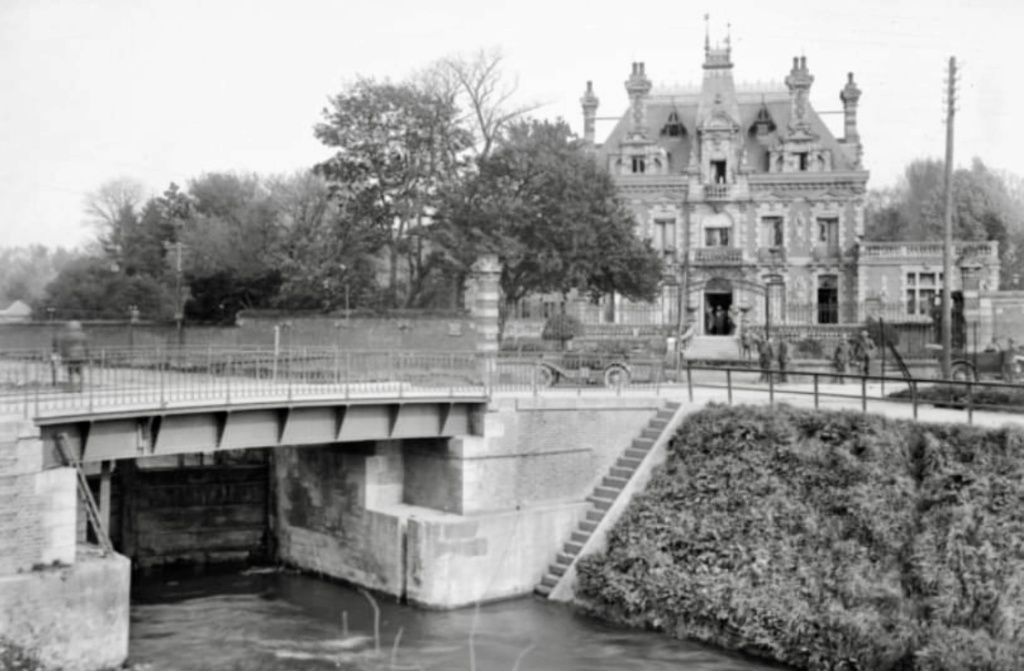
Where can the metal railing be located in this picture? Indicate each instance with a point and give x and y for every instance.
(32, 386)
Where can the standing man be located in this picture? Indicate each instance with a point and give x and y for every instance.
(74, 352)
(764, 358)
(865, 351)
(783, 359)
(841, 359)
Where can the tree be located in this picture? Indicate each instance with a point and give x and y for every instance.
(326, 254)
(112, 210)
(89, 288)
(396, 146)
(476, 85)
(230, 244)
(553, 218)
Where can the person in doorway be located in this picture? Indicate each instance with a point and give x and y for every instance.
(783, 359)
(765, 354)
(721, 321)
(74, 353)
(709, 321)
(841, 360)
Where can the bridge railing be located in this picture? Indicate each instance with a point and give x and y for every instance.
(32, 383)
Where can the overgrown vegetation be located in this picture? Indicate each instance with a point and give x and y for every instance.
(14, 657)
(827, 541)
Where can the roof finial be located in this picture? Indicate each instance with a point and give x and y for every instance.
(728, 35)
(707, 33)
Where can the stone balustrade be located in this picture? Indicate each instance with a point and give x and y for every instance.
(961, 249)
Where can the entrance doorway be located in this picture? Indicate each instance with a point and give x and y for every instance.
(717, 303)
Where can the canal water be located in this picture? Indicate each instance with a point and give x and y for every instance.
(256, 621)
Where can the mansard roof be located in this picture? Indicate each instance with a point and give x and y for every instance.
(686, 104)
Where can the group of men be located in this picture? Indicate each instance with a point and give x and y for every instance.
(850, 356)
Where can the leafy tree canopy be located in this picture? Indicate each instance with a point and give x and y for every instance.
(553, 218)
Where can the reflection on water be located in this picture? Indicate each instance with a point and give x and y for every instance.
(281, 621)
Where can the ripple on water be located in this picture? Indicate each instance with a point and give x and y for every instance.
(271, 622)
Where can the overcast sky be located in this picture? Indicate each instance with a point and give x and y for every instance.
(164, 91)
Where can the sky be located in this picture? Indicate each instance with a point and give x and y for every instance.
(94, 90)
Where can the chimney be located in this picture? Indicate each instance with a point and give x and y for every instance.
(637, 87)
(589, 102)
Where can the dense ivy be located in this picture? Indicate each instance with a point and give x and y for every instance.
(827, 540)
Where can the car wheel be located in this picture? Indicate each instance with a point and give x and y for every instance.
(616, 376)
(546, 377)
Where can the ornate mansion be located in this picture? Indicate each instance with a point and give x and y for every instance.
(759, 209)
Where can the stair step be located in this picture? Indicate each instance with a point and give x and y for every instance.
(673, 405)
(624, 473)
(542, 590)
(563, 559)
(606, 493)
(658, 424)
(588, 527)
(600, 504)
(595, 515)
(627, 462)
(549, 580)
(557, 570)
(572, 548)
(635, 453)
(650, 433)
(613, 482)
(580, 537)
(643, 443)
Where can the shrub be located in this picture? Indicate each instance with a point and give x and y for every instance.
(563, 328)
(827, 540)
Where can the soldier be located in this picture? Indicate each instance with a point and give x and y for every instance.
(74, 354)
(765, 354)
(841, 359)
(783, 359)
(865, 351)
(1009, 361)
(745, 345)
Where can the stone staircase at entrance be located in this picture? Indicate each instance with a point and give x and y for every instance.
(604, 496)
(713, 348)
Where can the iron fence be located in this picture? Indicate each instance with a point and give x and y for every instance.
(33, 385)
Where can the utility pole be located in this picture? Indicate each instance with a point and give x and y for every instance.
(947, 249)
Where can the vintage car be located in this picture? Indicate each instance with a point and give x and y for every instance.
(974, 366)
(607, 368)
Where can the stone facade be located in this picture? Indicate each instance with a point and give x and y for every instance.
(67, 603)
(756, 206)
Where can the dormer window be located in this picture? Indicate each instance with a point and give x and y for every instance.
(673, 127)
(639, 165)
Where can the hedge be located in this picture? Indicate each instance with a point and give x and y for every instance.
(826, 540)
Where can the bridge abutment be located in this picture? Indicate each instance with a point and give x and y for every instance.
(445, 523)
(64, 602)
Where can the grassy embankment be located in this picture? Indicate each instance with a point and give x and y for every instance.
(827, 540)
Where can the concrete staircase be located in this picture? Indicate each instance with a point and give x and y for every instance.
(713, 348)
(604, 496)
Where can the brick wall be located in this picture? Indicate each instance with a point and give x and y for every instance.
(38, 511)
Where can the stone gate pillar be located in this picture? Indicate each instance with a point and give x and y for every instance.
(482, 296)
